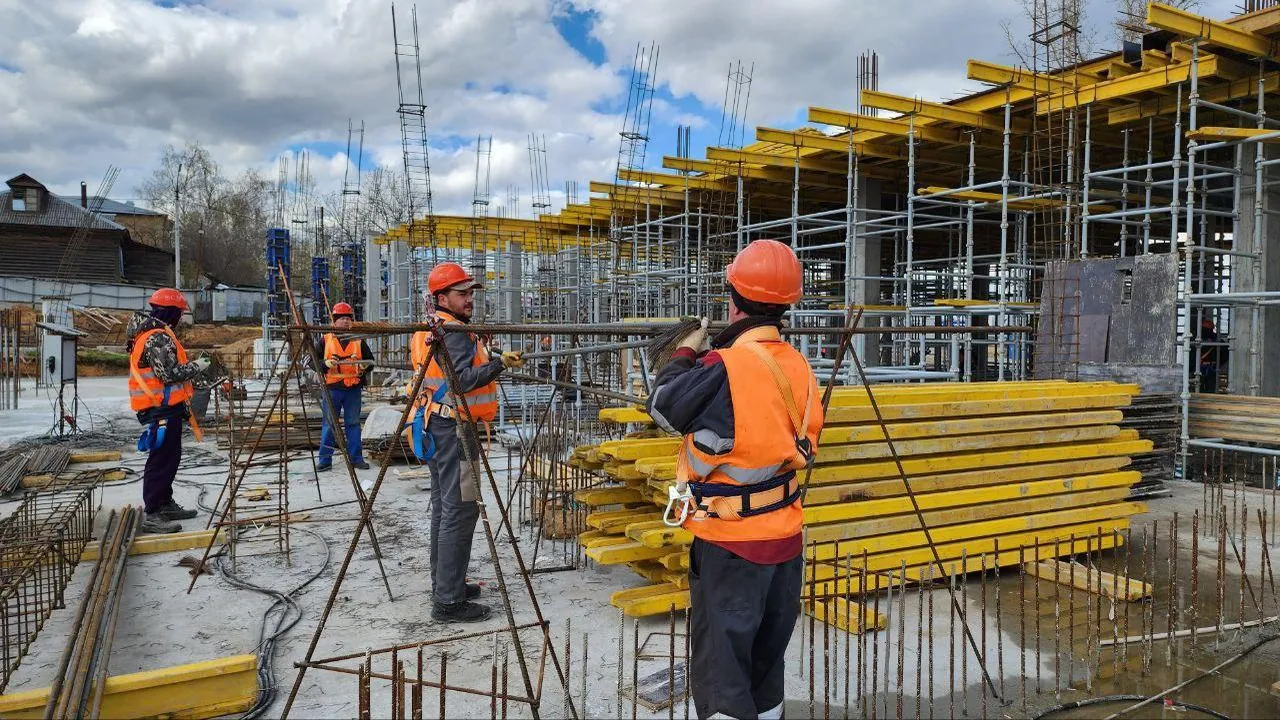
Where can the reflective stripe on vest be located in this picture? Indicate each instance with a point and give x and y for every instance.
(764, 439)
(482, 401)
(347, 374)
(146, 389)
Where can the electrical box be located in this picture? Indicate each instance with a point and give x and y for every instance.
(58, 357)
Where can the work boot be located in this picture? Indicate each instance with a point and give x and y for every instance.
(360, 465)
(465, 611)
(156, 523)
(321, 467)
(473, 591)
(173, 511)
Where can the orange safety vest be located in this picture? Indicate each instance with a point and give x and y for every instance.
(766, 429)
(483, 401)
(145, 389)
(346, 373)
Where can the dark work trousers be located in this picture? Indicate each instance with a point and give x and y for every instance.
(345, 402)
(741, 623)
(453, 520)
(162, 468)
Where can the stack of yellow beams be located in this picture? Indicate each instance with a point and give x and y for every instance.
(994, 467)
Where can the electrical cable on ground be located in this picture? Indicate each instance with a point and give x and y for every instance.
(1087, 702)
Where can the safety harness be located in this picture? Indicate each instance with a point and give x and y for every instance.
(733, 502)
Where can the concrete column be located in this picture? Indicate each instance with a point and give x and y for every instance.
(512, 311)
(373, 307)
(866, 261)
(1256, 345)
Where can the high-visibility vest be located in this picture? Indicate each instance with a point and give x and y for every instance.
(348, 374)
(146, 390)
(482, 402)
(765, 442)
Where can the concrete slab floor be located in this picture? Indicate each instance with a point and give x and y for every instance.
(161, 625)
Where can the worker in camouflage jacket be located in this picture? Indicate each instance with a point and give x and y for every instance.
(160, 386)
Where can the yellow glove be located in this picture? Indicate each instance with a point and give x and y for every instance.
(698, 340)
(513, 359)
(330, 363)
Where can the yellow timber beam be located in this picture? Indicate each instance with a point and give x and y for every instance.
(1023, 78)
(1233, 90)
(1211, 32)
(1149, 81)
(611, 189)
(817, 141)
(777, 175)
(940, 112)
(670, 181)
(749, 157)
(208, 689)
(1215, 134)
(897, 127)
(1015, 203)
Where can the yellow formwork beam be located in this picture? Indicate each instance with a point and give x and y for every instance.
(1015, 203)
(865, 490)
(777, 160)
(1081, 577)
(148, 544)
(625, 415)
(877, 545)
(817, 141)
(842, 582)
(596, 497)
(865, 510)
(939, 112)
(847, 615)
(624, 552)
(1211, 32)
(1215, 134)
(841, 532)
(212, 688)
(951, 552)
(619, 524)
(966, 443)
(1023, 78)
(674, 181)
(650, 599)
(1148, 81)
(896, 127)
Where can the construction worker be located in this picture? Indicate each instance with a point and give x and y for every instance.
(347, 367)
(160, 378)
(749, 409)
(449, 440)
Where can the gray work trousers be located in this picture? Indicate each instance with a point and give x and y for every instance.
(453, 519)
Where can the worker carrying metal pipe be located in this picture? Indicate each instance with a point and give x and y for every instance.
(347, 367)
(749, 409)
(445, 440)
(160, 391)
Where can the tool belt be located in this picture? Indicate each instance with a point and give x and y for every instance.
(730, 502)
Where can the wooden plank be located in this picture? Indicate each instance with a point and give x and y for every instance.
(597, 497)
(88, 456)
(148, 544)
(1081, 577)
(36, 482)
(624, 552)
(650, 600)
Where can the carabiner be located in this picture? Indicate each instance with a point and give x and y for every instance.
(686, 501)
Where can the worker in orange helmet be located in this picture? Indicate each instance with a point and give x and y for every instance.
(748, 406)
(346, 371)
(160, 376)
(445, 440)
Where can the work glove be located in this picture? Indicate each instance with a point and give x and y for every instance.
(202, 363)
(699, 340)
(513, 359)
(330, 363)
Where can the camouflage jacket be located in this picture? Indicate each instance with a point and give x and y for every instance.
(160, 352)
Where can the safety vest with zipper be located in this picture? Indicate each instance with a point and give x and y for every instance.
(347, 372)
(746, 487)
(482, 401)
(146, 389)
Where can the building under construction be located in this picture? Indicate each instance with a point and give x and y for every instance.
(1047, 479)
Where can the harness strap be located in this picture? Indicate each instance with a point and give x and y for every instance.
(799, 425)
(731, 502)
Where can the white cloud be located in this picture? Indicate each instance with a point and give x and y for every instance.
(103, 82)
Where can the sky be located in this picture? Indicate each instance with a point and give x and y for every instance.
(89, 83)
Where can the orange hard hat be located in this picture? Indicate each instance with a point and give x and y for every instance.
(168, 297)
(450, 275)
(343, 309)
(766, 271)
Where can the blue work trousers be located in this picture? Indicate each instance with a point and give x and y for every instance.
(345, 402)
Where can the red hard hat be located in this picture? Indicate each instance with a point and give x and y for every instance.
(446, 276)
(343, 309)
(168, 297)
(766, 271)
